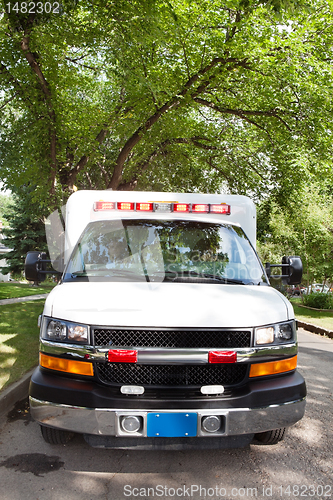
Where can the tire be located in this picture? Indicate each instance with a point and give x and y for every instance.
(271, 437)
(56, 436)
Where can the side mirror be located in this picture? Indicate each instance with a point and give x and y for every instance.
(292, 269)
(35, 266)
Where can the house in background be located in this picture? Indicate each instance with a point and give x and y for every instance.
(3, 251)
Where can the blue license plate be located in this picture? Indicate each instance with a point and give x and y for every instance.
(171, 424)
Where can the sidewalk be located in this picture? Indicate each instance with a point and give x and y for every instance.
(23, 299)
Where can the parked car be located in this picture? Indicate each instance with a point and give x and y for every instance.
(317, 288)
(294, 290)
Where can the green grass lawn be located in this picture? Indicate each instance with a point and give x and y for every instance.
(318, 318)
(19, 338)
(13, 290)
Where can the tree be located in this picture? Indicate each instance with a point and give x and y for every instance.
(5, 202)
(25, 231)
(164, 95)
(304, 228)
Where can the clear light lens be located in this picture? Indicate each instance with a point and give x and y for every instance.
(77, 333)
(132, 389)
(64, 331)
(265, 335)
(56, 330)
(162, 206)
(103, 205)
(131, 424)
(211, 423)
(285, 331)
(212, 389)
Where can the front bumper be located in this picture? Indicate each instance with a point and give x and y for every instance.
(106, 422)
(89, 408)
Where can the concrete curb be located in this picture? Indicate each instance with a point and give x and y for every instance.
(315, 329)
(15, 392)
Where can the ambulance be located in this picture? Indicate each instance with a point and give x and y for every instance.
(164, 331)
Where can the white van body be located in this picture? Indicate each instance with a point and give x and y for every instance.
(265, 401)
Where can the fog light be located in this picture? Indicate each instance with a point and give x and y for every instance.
(132, 389)
(211, 423)
(212, 389)
(131, 423)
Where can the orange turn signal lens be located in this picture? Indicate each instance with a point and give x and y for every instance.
(66, 365)
(273, 367)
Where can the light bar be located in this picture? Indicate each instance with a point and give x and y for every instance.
(66, 365)
(145, 207)
(220, 209)
(125, 205)
(273, 367)
(149, 206)
(222, 357)
(181, 207)
(122, 356)
(103, 205)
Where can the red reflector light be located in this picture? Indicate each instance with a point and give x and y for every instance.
(220, 209)
(181, 207)
(103, 205)
(144, 207)
(199, 207)
(222, 357)
(124, 205)
(122, 356)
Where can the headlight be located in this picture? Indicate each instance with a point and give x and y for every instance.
(275, 334)
(64, 331)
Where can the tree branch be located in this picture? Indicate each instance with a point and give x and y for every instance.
(173, 103)
(30, 57)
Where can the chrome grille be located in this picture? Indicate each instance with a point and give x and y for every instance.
(125, 338)
(171, 375)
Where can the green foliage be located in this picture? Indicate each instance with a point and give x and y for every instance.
(319, 300)
(5, 202)
(169, 95)
(25, 232)
(302, 226)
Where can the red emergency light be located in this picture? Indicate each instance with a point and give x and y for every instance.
(181, 207)
(220, 209)
(125, 205)
(200, 207)
(223, 208)
(145, 207)
(222, 357)
(122, 356)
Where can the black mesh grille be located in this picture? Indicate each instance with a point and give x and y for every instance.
(171, 375)
(171, 338)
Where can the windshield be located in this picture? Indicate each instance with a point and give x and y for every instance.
(164, 250)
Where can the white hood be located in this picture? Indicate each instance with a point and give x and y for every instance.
(168, 304)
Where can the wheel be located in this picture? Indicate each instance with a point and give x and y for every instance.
(56, 436)
(271, 437)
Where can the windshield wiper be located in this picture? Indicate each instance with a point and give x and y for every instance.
(195, 274)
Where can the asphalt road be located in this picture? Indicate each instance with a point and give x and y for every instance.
(301, 466)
